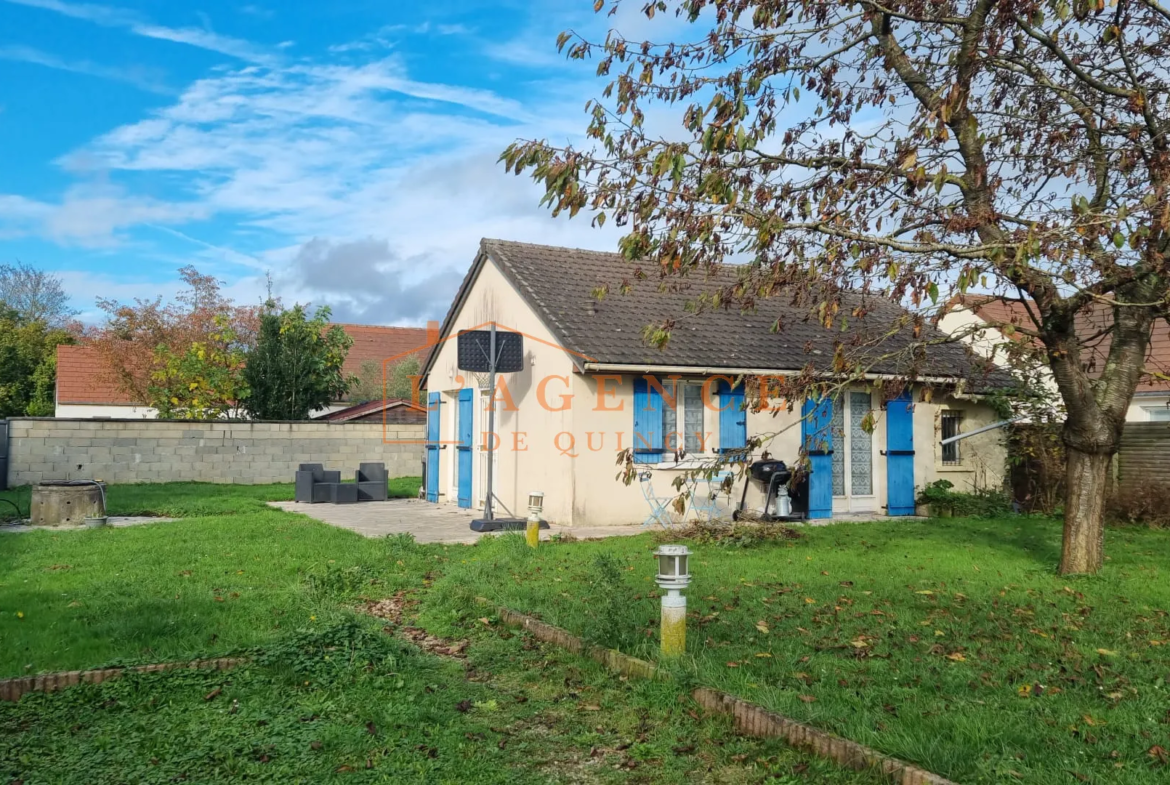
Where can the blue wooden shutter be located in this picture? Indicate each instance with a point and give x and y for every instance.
(466, 427)
(432, 447)
(817, 436)
(900, 455)
(732, 418)
(647, 422)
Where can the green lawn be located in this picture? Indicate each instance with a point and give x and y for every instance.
(351, 704)
(282, 587)
(951, 644)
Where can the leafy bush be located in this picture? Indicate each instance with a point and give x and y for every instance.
(982, 503)
(734, 535)
(1141, 503)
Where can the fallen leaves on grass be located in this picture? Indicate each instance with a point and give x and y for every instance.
(213, 694)
(807, 698)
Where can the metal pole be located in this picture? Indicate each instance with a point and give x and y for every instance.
(491, 446)
(978, 431)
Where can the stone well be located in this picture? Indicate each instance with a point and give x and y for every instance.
(65, 503)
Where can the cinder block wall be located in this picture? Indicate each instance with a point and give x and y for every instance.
(175, 450)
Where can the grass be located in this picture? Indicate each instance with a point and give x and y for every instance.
(346, 703)
(951, 644)
(232, 575)
(329, 696)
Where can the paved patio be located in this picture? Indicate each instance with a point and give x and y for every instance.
(448, 523)
(428, 522)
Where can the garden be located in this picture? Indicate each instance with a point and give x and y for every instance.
(948, 643)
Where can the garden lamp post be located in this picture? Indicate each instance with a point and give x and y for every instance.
(535, 506)
(673, 576)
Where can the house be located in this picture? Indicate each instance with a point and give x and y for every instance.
(985, 321)
(389, 410)
(85, 388)
(590, 387)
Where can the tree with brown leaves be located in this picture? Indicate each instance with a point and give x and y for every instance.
(912, 150)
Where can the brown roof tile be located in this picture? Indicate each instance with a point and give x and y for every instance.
(1091, 321)
(82, 378)
(559, 284)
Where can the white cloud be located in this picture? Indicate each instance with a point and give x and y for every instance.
(112, 16)
(146, 79)
(357, 185)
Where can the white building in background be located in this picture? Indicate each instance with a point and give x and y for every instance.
(982, 319)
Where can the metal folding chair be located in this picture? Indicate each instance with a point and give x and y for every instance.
(706, 503)
(658, 512)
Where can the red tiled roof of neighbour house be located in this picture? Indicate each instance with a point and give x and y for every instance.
(82, 376)
(1090, 322)
(82, 379)
(378, 344)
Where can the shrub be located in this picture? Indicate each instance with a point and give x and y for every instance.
(1140, 503)
(982, 503)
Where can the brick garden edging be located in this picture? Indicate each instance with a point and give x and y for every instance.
(13, 689)
(749, 719)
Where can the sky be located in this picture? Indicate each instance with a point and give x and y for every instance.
(347, 150)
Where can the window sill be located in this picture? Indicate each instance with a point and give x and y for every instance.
(952, 468)
(690, 462)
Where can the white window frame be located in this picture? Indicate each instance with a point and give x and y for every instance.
(675, 386)
(852, 502)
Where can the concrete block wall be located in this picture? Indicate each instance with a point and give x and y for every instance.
(127, 451)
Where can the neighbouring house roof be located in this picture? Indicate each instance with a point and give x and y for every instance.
(560, 284)
(393, 409)
(1091, 326)
(378, 344)
(82, 377)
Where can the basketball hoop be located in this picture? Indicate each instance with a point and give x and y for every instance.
(483, 381)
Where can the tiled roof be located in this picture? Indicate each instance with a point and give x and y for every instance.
(559, 284)
(82, 378)
(378, 344)
(370, 407)
(1090, 322)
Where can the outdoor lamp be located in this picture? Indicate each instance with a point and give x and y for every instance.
(535, 506)
(673, 576)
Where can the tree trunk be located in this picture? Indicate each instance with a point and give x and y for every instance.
(1084, 512)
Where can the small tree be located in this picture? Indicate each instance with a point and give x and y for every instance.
(296, 365)
(397, 381)
(28, 364)
(910, 150)
(201, 382)
(35, 295)
(141, 339)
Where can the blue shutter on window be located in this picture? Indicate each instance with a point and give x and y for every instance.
(732, 418)
(647, 422)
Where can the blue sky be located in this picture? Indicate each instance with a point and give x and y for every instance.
(348, 148)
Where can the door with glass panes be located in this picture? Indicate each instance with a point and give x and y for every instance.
(853, 454)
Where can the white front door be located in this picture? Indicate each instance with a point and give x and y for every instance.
(853, 454)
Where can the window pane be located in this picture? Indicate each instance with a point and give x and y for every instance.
(860, 446)
(693, 417)
(670, 439)
(1161, 414)
(951, 422)
(838, 447)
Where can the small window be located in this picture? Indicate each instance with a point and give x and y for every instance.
(687, 411)
(952, 425)
(1158, 413)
